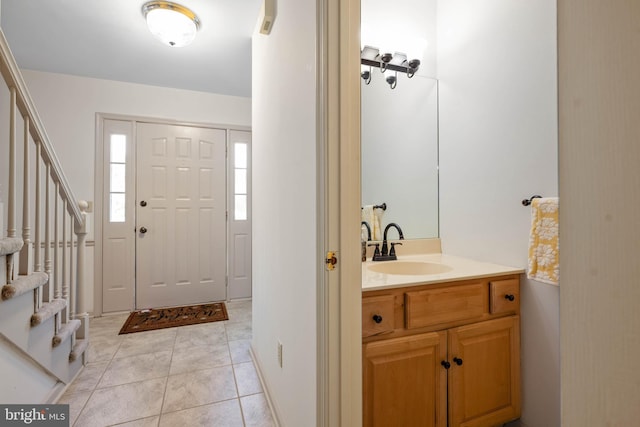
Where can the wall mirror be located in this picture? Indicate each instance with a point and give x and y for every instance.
(400, 152)
(399, 126)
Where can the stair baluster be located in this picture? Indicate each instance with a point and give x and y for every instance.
(26, 254)
(37, 266)
(65, 283)
(71, 308)
(48, 291)
(57, 292)
(11, 209)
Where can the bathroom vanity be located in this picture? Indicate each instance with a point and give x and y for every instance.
(441, 342)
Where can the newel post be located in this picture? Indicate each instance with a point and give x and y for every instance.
(80, 310)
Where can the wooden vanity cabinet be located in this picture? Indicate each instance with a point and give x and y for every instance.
(453, 366)
(484, 377)
(405, 382)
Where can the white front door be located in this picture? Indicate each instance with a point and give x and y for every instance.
(180, 215)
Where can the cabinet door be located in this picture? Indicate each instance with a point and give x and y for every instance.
(484, 379)
(404, 382)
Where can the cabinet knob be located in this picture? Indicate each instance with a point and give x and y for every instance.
(377, 318)
(509, 297)
(446, 364)
(457, 361)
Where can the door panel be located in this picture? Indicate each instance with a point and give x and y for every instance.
(181, 175)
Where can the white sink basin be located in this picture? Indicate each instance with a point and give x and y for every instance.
(409, 268)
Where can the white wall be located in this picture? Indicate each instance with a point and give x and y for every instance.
(399, 25)
(600, 188)
(68, 105)
(498, 145)
(284, 210)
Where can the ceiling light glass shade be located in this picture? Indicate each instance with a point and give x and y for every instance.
(173, 24)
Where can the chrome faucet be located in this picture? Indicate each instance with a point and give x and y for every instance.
(364, 243)
(385, 253)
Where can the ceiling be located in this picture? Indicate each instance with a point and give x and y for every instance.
(109, 40)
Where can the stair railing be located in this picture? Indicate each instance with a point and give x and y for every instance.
(57, 215)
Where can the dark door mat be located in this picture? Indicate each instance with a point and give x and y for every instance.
(159, 318)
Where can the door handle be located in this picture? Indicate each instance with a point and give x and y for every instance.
(143, 203)
(143, 230)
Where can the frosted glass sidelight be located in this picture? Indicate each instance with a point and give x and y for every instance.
(240, 155)
(118, 148)
(117, 184)
(240, 209)
(116, 207)
(241, 181)
(117, 177)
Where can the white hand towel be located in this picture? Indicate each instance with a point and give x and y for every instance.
(373, 218)
(377, 223)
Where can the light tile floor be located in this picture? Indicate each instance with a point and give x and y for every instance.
(199, 375)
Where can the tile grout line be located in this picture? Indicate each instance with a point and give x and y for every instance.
(166, 382)
(235, 379)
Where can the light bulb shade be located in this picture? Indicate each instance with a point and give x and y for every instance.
(173, 24)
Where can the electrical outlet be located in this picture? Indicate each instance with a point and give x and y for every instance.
(280, 354)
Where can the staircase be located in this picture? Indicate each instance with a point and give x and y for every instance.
(44, 329)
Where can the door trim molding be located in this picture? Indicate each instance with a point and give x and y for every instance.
(339, 397)
(99, 185)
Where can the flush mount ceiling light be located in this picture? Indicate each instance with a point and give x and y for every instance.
(173, 24)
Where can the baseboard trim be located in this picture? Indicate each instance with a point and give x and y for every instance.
(265, 388)
(61, 387)
(56, 393)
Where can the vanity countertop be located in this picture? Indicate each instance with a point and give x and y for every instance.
(461, 269)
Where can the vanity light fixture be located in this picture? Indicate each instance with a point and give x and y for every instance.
(397, 62)
(171, 23)
(392, 80)
(366, 76)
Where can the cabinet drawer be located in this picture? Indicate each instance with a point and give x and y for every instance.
(442, 305)
(377, 315)
(504, 296)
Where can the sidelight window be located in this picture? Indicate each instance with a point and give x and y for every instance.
(117, 177)
(240, 181)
